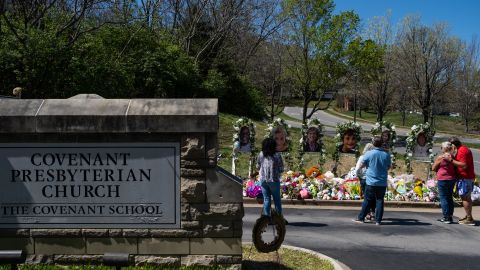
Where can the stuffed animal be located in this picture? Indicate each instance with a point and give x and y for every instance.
(313, 172)
(418, 189)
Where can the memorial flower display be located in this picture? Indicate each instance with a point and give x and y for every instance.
(313, 184)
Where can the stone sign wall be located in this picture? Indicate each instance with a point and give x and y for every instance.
(208, 228)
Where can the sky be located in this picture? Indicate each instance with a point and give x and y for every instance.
(462, 16)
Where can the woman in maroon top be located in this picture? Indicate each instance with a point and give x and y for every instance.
(446, 177)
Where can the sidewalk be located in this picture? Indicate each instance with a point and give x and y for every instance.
(355, 205)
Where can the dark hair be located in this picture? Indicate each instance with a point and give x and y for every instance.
(377, 141)
(313, 129)
(349, 132)
(455, 141)
(268, 147)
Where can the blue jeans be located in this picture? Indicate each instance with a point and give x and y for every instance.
(445, 191)
(271, 189)
(374, 196)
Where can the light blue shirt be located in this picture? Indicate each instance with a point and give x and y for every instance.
(377, 162)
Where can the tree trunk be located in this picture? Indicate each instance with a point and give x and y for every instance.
(426, 114)
(379, 116)
(304, 113)
(466, 124)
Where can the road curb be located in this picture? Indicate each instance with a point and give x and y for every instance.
(391, 204)
(337, 265)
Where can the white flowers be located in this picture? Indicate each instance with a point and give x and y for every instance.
(414, 127)
(393, 128)
(430, 150)
(410, 154)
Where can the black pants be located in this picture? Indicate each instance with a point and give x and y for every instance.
(373, 199)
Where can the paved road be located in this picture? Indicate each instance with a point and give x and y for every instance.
(330, 121)
(406, 240)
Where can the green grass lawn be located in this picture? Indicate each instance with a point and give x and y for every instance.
(443, 123)
(285, 260)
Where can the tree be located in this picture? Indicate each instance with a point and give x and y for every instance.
(428, 58)
(467, 94)
(374, 62)
(317, 42)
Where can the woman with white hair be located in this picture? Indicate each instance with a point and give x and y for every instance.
(361, 174)
(446, 181)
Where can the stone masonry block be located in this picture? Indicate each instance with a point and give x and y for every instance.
(193, 190)
(211, 145)
(193, 146)
(218, 246)
(103, 245)
(95, 232)
(226, 211)
(168, 233)
(51, 246)
(136, 233)
(223, 259)
(185, 210)
(115, 233)
(168, 246)
(218, 228)
(56, 232)
(192, 172)
(195, 163)
(171, 261)
(39, 259)
(25, 244)
(238, 228)
(189, 225)
(78, 259)
(198, 260)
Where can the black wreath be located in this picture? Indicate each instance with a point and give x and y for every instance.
(278, 224)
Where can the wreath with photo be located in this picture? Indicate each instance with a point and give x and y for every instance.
(280, 125)
(340, 131)
(428, 132)
(311, 123)
(379, 129)
(237, 126)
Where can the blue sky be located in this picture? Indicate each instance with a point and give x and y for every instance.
(462, 16)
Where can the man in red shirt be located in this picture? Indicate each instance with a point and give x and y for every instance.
(463, 162)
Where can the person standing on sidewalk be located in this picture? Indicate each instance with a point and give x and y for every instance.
(378, 162)
(447, 178)
(361, 174)
(270, 166)
(463, 162)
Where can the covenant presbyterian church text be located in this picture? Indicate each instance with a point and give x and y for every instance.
(74, 169)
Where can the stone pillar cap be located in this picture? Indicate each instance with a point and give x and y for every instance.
(90, 113)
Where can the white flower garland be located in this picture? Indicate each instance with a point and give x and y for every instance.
(411, 141)
(237, 126)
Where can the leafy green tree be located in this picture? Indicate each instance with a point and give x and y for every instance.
(318, 41)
